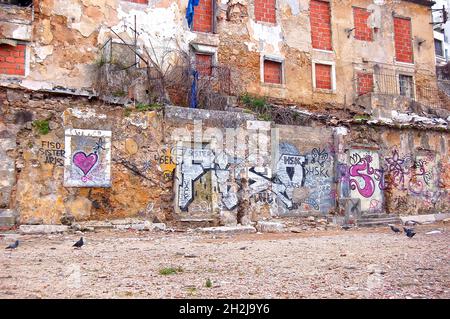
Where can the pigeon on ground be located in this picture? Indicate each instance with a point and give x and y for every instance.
(14, 245)
(395, 229)
(409, 232)
(79, 243)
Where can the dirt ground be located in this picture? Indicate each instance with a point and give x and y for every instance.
(359, 263)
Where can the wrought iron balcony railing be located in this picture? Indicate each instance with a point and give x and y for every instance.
(407, 86)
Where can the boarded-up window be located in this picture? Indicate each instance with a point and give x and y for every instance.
(362, 30)
(323, 74)
(320, 18)
(203, 64)
(403, 40)
(203, 15)
(265, 11)
(12, 59)
(273, 72)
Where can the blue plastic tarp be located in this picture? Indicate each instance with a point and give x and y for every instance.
(190, 11)
(193, 99)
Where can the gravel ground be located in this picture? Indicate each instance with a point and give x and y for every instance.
(360, 263)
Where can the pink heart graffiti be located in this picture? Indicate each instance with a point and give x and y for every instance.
(85, 162)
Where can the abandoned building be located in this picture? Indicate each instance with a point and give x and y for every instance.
(220, 111)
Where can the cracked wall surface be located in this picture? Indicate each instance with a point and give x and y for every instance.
(65, 39)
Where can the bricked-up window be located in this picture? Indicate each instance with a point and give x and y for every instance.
(362, 30)
(265, 11)
(365, 82)
(403, 40)
(323, 73)
(139, 1)
(12, 59)
(320, 17)
(203, 15)
(273, 72)
(203, 64)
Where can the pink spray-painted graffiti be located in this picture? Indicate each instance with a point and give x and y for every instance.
(365, 179)
(372, 177)
(363, 170)
(88, 161)
(85, 162)
(413, 175)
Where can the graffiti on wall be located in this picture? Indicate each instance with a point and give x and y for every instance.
(289, 175)
(166, 163)
(305, 181)
(366, 179)
(194, 164)
(299, 181)
(319, 180)
(88, 158)
(52, 152)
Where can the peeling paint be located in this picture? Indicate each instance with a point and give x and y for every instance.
(42, 52)
(269, 37)
(85, 114)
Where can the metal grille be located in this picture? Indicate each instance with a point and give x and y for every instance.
(404, 85)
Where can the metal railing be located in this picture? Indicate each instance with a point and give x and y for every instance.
(405, 85)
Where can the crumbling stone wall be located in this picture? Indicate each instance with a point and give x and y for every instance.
(216, 166)
(39, 194)
(65, 38)
(395, 170)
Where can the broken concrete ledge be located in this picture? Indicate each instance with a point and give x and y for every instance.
(227, 230)
(43, 229)
(119, 224)
(427, 219)
(270, 227)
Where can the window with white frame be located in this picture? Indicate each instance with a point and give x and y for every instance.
(324, 76)
(272, 70)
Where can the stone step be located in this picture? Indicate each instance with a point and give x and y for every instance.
(7, 217)
(369, 222)
(227, 230)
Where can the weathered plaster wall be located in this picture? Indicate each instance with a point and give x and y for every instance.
(67, 36)
(395, 170)
(306, 170)
(221, 166)
(137, 185)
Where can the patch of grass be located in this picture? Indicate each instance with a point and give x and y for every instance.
(141, 107)
(265, 117)
(361, 117)
(127, 112)
(208, 283)
(170, 271)
(30, 145)
(254, 102)
(258, 105)
(192, 291)
(42, 126)
(119, 93)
